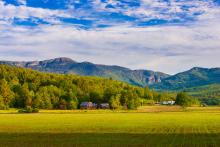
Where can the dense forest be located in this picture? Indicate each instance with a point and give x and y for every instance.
(20, 88)
(64, 65)
(208, 94)
(195, 77)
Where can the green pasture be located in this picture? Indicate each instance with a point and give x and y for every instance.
(191, 127)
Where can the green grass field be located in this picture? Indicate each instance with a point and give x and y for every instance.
(149, 126)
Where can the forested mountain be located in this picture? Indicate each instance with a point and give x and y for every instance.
(20, 87)
(69, 66)
(194, 77)
(208, 94)
(207, 91)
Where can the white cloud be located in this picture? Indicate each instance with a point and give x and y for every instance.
(170, 48)
(22, 2)
(9, 12)
(164, 48)
(150, 9)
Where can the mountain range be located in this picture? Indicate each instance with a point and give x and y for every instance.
(69, 66)
(194, 77)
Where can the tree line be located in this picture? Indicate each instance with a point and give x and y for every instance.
(21, 88)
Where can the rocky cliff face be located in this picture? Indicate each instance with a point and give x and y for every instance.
(69, 66)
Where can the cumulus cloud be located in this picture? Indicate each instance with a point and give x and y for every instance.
(110, 12)
(169, 48)
(157, 9)
(9, 12)
(22, 2)
(164, 48)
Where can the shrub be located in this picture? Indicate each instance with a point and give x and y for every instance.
(2, 105)
(184, 100)
(148, 102)
(35, 110)
(72, 105)
(115, 102)
(28, 109)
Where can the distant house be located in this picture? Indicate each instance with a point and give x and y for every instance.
(104, 106)
(167, 102)
(157, 103)
(86, 105)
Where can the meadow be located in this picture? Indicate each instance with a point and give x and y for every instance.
(148, 126)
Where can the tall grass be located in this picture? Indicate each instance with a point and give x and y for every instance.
(195, 127)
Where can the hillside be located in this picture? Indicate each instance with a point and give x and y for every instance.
(209, 94)
(20, 87)
(194, 77)
(207, 91)
(69, 66)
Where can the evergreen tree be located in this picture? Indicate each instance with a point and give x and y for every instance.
(115, 102)
(183, 99)
(2, 104)
(6, 93)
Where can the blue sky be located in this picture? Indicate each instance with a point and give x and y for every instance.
(162, 35)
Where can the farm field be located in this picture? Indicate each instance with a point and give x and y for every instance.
(148, 126)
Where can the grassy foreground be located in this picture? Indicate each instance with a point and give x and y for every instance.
(195, 127)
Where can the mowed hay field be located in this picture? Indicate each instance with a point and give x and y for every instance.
(145, 127)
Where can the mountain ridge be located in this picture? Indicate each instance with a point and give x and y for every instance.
(65, 65)
(196, 76)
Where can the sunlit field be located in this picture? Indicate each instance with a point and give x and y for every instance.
(148, 126)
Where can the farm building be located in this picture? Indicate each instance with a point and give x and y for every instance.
(86, 105)
(104, 106)
(167, 102)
